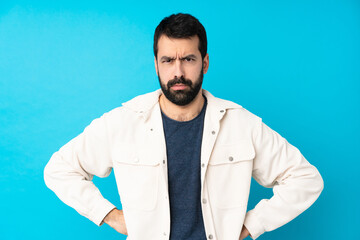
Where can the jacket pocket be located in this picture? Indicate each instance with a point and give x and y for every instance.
(229, 174)
(137, 178)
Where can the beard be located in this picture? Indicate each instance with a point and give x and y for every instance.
(182, 97)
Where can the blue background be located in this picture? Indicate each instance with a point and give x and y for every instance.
(296, 64)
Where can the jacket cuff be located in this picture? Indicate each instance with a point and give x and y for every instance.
(100, 211)
(253, 224)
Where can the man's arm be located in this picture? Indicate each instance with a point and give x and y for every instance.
(244, 233)
(116, 220)
(70, 171)
(296, 183)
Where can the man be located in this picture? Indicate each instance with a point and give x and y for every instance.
(183, 159)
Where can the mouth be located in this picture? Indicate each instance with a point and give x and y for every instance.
(180, 86)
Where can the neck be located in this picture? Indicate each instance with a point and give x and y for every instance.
(182, 113)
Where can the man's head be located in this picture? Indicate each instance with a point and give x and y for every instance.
(181, 59)
(180, 26)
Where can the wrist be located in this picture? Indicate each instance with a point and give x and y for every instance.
(111, 216)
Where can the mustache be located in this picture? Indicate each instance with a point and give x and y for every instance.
(180, 80)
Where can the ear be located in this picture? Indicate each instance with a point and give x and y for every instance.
(206, 63)
(156, 66)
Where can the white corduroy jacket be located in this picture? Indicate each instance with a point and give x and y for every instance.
(236, 146)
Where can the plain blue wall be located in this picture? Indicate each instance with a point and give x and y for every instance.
(296, 64)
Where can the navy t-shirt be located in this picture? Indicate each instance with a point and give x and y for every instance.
(183, 148)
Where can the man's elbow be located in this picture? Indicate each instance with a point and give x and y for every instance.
(315, 184)
(49, 173)
(320, 183)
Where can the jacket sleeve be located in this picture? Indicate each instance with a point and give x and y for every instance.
(296, 183)
(70, 171)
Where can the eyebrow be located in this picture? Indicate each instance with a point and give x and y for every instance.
(166, 58)
(188, 56)
(172, 58)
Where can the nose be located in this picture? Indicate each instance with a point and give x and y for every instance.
(179, 69)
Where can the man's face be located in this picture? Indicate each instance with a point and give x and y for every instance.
(180, 68)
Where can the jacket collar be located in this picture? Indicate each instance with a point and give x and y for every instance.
(143, 104)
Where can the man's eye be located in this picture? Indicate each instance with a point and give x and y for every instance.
(189, 59)
(167, 60)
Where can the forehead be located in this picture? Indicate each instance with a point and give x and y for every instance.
(174, 46)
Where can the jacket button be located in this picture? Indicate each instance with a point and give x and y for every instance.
(222, 111)
(213, 132)
(211, 236)
(204, 201)
(203, 165)
(163, 161)
(231, 159)
(164, 233)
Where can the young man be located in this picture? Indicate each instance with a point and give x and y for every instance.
(183, 159)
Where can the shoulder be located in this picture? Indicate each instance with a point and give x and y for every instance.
(132, 108)
(232, 109)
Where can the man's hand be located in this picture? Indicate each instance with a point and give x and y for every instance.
(244, 233)
(116, 220)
